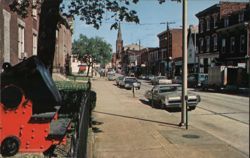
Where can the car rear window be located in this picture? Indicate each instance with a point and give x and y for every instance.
(168, 89)
(130, 80)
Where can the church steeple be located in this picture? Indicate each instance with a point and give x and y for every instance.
(119, 41)
(119, 34)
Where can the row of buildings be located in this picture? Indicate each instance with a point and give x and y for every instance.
(19, 36)
(221, 38)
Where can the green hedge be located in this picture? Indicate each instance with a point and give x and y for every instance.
(74, 94)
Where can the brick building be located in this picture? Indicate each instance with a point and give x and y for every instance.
(129, 56)
(18, 36)
(146, 60)
(63, 44)
(233, 38)
(170, 50)
(218, 41)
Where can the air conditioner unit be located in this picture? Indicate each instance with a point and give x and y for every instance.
(23, 55)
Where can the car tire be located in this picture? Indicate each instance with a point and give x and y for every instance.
(162, 105)
(192, 108)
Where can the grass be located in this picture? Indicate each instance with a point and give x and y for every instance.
(81, 78)
(71, 85)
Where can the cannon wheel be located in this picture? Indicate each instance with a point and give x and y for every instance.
(11, 97)
(72, 150)
(10, 146)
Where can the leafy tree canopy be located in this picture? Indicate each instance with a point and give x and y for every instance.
(89, 11)
(96, 47)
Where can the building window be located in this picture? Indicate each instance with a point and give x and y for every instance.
(241, 17)
(19, 1)
(232, 44)
(215, 42)
(34, 44)
(201, 26)
(215, 21)
(223, 45)
(208, 23)
(226, 22)
(207, 44)
(201, 44)
(242, 43)
(164, 52)
(20, 41)
(34, 9)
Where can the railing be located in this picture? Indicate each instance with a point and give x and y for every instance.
(78, 103)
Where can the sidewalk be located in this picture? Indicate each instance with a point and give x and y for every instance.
(127, 128)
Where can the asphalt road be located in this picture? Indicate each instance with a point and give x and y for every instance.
(222, 115)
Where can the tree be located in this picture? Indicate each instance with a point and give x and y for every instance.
(90, 50)
(89, 11)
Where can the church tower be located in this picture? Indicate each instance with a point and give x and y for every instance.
(119, 42)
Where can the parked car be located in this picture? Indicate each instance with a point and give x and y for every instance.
(169, 96)
(177, 80)
(195, 80)
(161, 80)
(111, 76)
(129, 82)
(119, 80)
(143, 77)
(151, 77)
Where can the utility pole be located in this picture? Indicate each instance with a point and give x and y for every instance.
(184, 65)
(139, 44)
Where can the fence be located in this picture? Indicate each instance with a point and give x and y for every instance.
(78, 103)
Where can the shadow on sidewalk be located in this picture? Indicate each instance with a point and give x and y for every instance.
(148, 103)
(96, 130)
(171, 110)
(137, 118)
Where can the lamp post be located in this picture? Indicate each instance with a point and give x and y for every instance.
(169, 67)
(248, 46)
(184, 65)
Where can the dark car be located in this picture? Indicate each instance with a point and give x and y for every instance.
(177, 80)
(130, 82)
(196, 80)
(119, 80)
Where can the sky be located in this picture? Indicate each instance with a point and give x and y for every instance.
(151, 15)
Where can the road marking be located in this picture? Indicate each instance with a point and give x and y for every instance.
(223, 114)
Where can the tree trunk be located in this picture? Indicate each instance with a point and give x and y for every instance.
(92, 72)
(49, 18)
(89, 64)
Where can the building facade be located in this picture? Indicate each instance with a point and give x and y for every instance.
(233, 38)
(63, 47)
(170, 50)
(18, 36)
(129, 56)
(215, 23)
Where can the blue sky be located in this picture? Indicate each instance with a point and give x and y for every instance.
(151, 14)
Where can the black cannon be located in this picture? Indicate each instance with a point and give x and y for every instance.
(29, 107)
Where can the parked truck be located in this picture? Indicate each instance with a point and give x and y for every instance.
(225, 77)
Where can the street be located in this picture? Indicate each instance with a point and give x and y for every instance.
(224, 116)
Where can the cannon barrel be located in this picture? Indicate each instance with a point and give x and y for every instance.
(36, 82)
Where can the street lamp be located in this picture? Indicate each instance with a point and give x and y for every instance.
(169, 61)
(184, 120)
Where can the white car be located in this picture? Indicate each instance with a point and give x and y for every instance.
(169, 96)
(161, 80)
